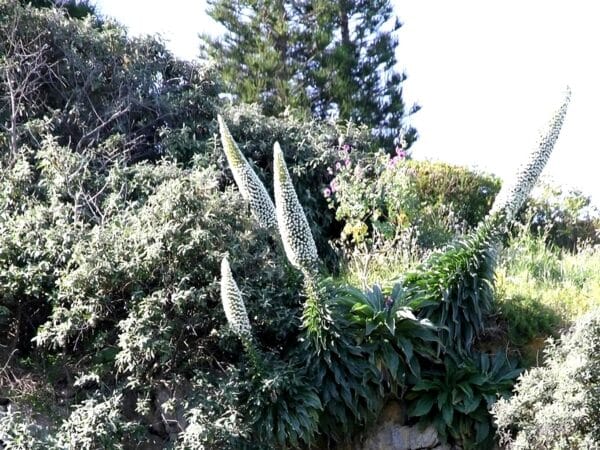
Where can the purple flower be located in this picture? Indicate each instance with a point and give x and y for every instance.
(392, 162)
(347, 162)
(388, 303)
(327, 192)
(400, 152)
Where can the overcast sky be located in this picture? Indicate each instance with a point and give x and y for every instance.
(486, 73)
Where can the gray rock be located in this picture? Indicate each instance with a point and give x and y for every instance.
(390, 436)
(426, 438)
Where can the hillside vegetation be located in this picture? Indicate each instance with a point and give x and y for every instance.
(180, 272)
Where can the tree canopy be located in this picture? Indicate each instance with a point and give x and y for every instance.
(326, 59)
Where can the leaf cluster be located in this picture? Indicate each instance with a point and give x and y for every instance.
(456, 396)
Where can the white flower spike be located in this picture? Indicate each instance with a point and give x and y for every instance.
(515, 192)
(250, 186)
(233, 304)
(295, 233)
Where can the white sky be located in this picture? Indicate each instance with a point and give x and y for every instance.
(486, 73)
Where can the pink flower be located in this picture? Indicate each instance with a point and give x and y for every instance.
(392, 162)
(347, 162)
(333, 185)
(345, 150)
(327, 192)
(338, 166)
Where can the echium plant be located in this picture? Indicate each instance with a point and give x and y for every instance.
(282, 405)
(298, 242)
(250, 186)
(514, 193)
(235, 311)
(454, 287)
(295, 232)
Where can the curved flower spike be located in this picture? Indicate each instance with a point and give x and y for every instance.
(250, 186)
(515, 192)
(233, 304)
(295, 233)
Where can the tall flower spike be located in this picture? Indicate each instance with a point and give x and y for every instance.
(250, 186)
(233, 304)
(295, 233)
(515, 192)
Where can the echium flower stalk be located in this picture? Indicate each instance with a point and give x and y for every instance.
(297, 239)
(250, 186)
(233, 304)
(514, 193)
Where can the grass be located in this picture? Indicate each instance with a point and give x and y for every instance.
(540, 289)
(382, 261)
(567, 283)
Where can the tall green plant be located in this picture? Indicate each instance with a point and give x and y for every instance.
(454, 287)
(281, 405)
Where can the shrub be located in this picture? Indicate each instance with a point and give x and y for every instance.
(378, 196)
(556, 406)
(88, 82)
(565, 218)
(552, 285)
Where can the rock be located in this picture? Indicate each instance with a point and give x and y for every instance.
(390, 433)
(426, 438)
(390, 436)
(444, 447)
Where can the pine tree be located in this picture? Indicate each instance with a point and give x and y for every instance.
(332, 58)
(255, 55)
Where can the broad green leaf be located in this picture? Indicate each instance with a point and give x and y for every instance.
(448, 413)
(422, 406)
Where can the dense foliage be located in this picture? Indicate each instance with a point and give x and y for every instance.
(95, 90)
(556, 406)
(383, 197)
(565, 218)
(145, 300)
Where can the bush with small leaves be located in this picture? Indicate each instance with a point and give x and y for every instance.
(557, 405)
(95, 424)
(19, 432)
